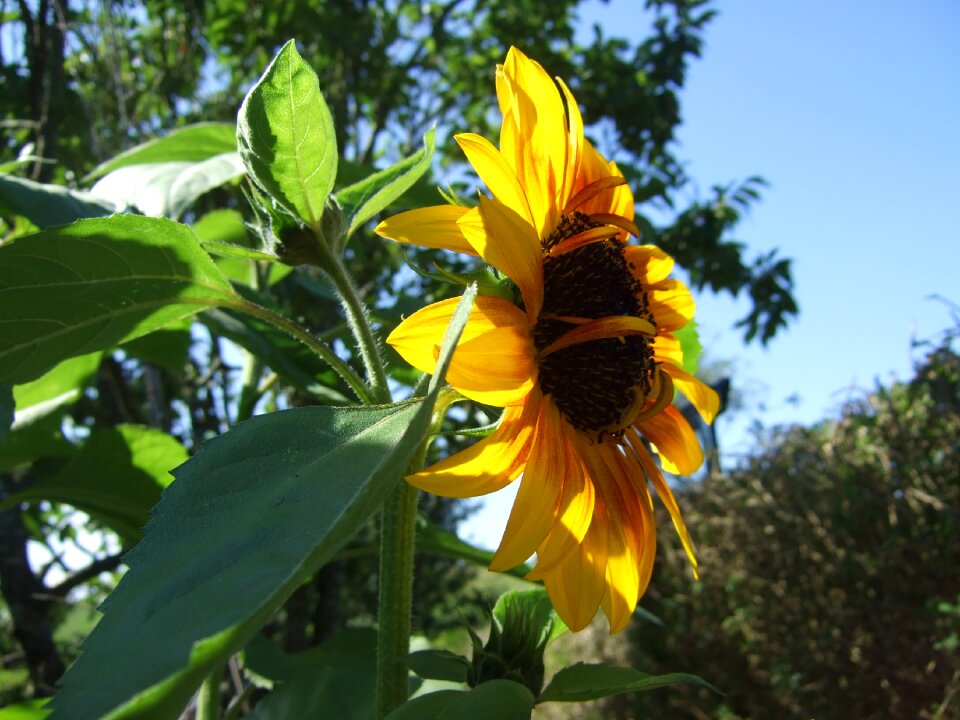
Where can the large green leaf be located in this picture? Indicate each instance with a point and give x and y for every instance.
(6, 411)
(582, 682)
(167, 189)
(116, 477)
(49, 205)
(363, 200)
(191, 144)
(494, 700)
(254, 513)
(88, 286)
(286, 136)
(336, 679)
(40, 438)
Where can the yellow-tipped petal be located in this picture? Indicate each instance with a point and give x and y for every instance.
(504, 240)
(671, 304)
(536, 506)
(703, 397)
(488, 465)
(577, 585)
(653, 474)
(498, 176)
(676, 443)
(431, 227)
(494, 360)
(540, 149)
(648, 263)
(575, 138)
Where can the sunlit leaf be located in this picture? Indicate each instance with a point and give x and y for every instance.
(91, 285)
(116, 477)
(167, 189)
(363, 200)
(286, 136)
(191, 144)
(582, 682)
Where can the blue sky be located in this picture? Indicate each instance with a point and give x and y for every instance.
(851, 111)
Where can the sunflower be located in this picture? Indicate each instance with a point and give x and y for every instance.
(585, 363)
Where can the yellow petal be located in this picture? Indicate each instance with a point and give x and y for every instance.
(648, 263)
(432, 227)
(494, 360)
(703, 397)
(488, 465)
(652, 473)
(504, 240)
(573, 516)
(671, 304)
(623, 540)
(535, 508)
(498, 176)
(540, 150)
(577, 584)
(676, 443)
(616, 200)
(575, 139)
(667, 349)
(601, 328)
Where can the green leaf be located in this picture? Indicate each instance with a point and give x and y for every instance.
(536, 610)
(116, 477)
(582, 682)
(426, 707)
(363, 200)
(29, 710)
(434, 540)
(689, 338)
(435, 664)
(287, 357)
(286, 136)
(167, 189)
(28, 442)
(191, 144)
(336, 679)
(167, 346)
(223, 233)
(6, 411)
(259, 509)
(493, 700)
(88, 286)
(62, 384)
(49, 205)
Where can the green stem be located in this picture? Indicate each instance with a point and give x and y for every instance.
(356, 313)
(398, 527)
(397, 538)
(365, 394)
(208, 701)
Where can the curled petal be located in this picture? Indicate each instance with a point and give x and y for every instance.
(703, 397)
(676, 443)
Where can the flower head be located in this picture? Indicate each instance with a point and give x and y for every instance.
(585, 366)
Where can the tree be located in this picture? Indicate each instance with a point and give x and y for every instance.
(830, 567)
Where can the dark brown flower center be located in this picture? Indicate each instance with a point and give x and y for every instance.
(593, 383)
